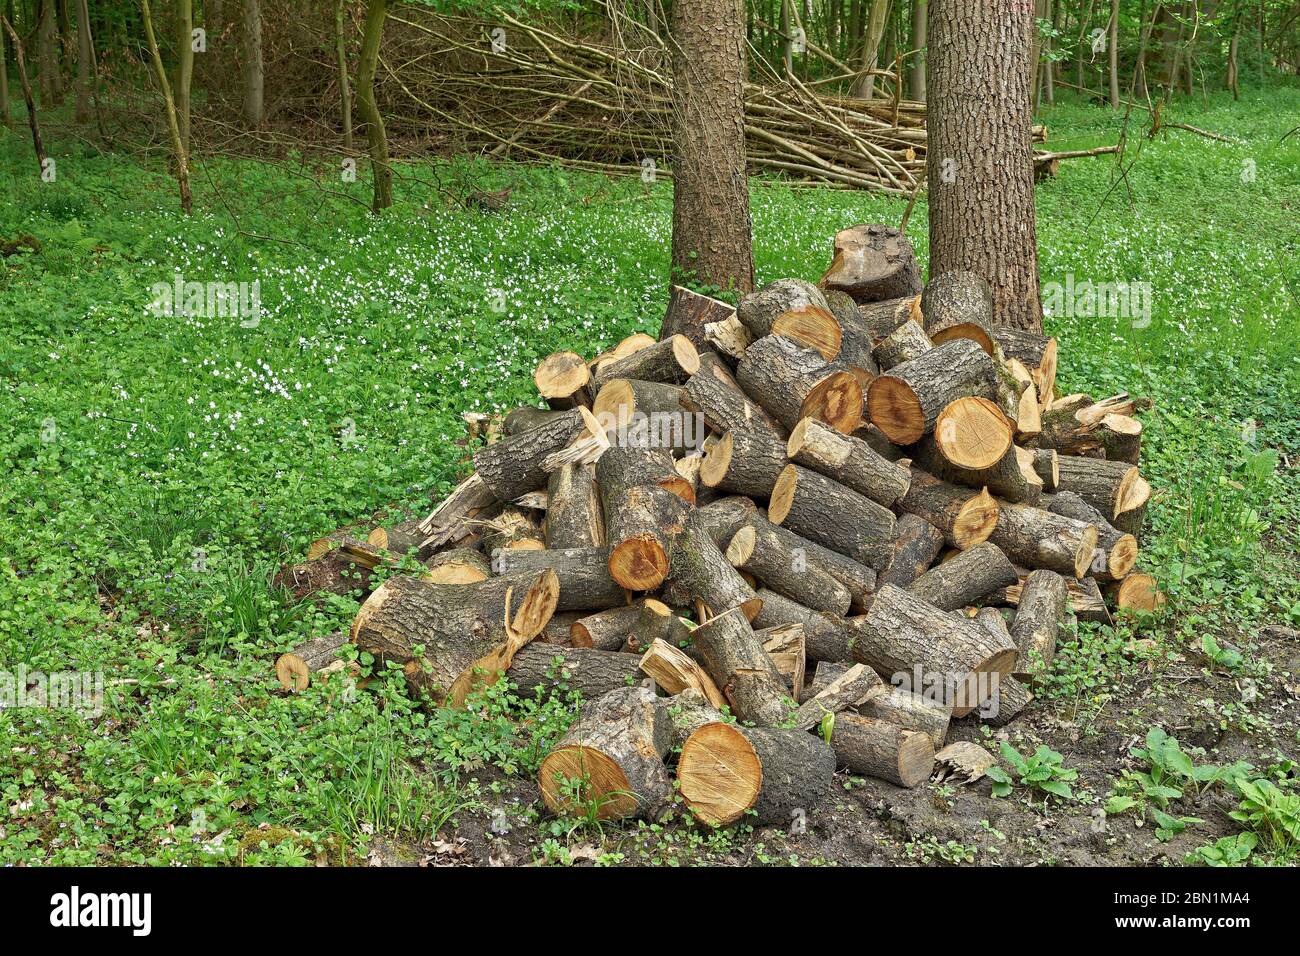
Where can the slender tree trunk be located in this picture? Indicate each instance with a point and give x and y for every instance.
(711, 221)
(377, 137)
(1036, 54)
(787, 46)
(6, 114)
(173, 124)
(865, 87)
(1139, 84)
(345, 87)
(1232, 60)
(254, 75)
(184, 66)
(1113, 42)
(82, 112)
(1083, 52)
(1048, 78)
(28, 99)
(980, 161)
(916, 76)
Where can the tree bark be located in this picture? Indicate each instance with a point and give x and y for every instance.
(980, 161)
(184, 67)
(179, 151)
(254, 75)
(1113, 54)
(865, 85)
(712, 228)
(345, 86)
(377, 137)
(916, 75)
(84, 55)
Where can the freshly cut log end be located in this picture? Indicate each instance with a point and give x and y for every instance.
(959, 305)
(672, 360)
(726, 771)
(611, 758)
(812, 327)
(879, 749)
(640, 524)
(759, 310)
(562, 378)
(905, 402)
(744, 462)
(873, 262)
(1139, 592)
(639, 563)
(973, 433)
(1109, 486)
(458, 566)
(965, 516)
(835, 400)
(317, 657)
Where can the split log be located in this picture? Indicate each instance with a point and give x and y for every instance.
(564, 380)
(959, 305)
(1072, 424)
(824, 511)
(905, 343)
(1038, 622)
(826, 637)
(620, 469)
(700, 571)
(672, 360)
(1106, 485)
(905, 638)
(512, 529)
(905, 402)
(734, 657)
(688, 712)
(515, 465)
(714, 392)
(675, 672)
(780, 560)
(1116, 552)
(966, 579)
(471, 500)
(469, 632)
(721, 519)
(1012, 695)
(849, 460)
(1039, 539)
(1029, 420)
(824, 672)
(1035, 351)
(688, 314)
(528, 416)
(744, 461)
(315, 658)
(458, 566)
(1139, 592)
(640, 523)
(728, 337)
(884, 750)
(611, 758)
(792, 382)
(1011, 476)
(788, 649)
(1083, 599)
(966, 517)
(546, 668)
(872, 263)
(583, 574)
(765, 775)
(916, 544)
(924, 714)
(573, 514)
(857, 684)
(882, 318)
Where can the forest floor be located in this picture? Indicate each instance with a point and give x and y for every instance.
(159, 468)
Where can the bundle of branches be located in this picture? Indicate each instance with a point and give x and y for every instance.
(849, 513)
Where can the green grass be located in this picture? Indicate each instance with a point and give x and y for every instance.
(158, 469)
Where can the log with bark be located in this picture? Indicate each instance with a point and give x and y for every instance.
(792, 382)
(849, 460)
(926, 714)
(689, 313)
(582, 671)
(573, 513)
(905, 402)
(824, 511)
(872, 263)
(916, 544)
(966, 579)
(515, 465)
(701, 572)
(1038, 622)
(1039, 539)
(1116, 552)
(563, 379)
(826, 637)
(583, 575)
(313, 660)
(736, 660)
(959, 305)
(905, 343)
(744, 461)
(881, 749)
(714, 392)
(965, 516)
(671, 360)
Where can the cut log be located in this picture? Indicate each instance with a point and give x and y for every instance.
(608, 630)
(765, 775)
(1083, 599)
(959, 305)
(792, 382)
(1029, 420)
(884, 750)
(675, 672)
(558, 628)
(611, 758)
(458, 566)
(856, 339)
(1116, 552)
(824, 672)
(859, 579)
(973, 433)
(721, 519)
(584, 671)
(573, 514)
(905, 343)
(315, 658)
(468, 632)
(564, 380)
(1039, 539)
(905, 639)
(873, 263)
(1133, 508)
(966, 579)
(734, 657)
(744, 461)
(528, 416)
(759, 310)
(1121, 438)
(1035, 351)
(1038, 622)
(672, 360)
(471, 500)
(688, 314)
(857, 684)
(916, 544)
(882, 318)
(1012, 695)
(1047, 468)
(824, 511)
(812, 328)
(714, 392)
(640, 523)
(781, 561)
(1139, 592)
(788, 649)
(583, 574)
(849, 460)
(330, 574)
(966, 517)
(1106, 485)
(1010, 477)
(405, 537)
(688, 712)
(645, 415)
(515, 465)
(512, 529)
(633, 343)
(905, 402)
(728, 337)
(923, 714)
(701, 572)
(1073, 424)
(826, 637)
(620, 469)
(657, 621)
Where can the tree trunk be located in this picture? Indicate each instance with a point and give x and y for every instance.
(28, 99)
(1113, 53)
(184, 67)
(865, 85)
(1036, 55)
(1146, 25)
(711, 220)
(254, 75)
(345, 88)
(179, 151)
(982, 202)
(376, 12)
(1233, 83)
(6, 115)
(51, 84)
(82, 112)
(916, 75)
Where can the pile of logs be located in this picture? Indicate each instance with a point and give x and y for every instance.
(799, 534)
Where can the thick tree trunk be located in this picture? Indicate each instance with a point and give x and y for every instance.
(254, 75)
(711, 221)
(377, 137)
(84, 56)
(980, 162)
